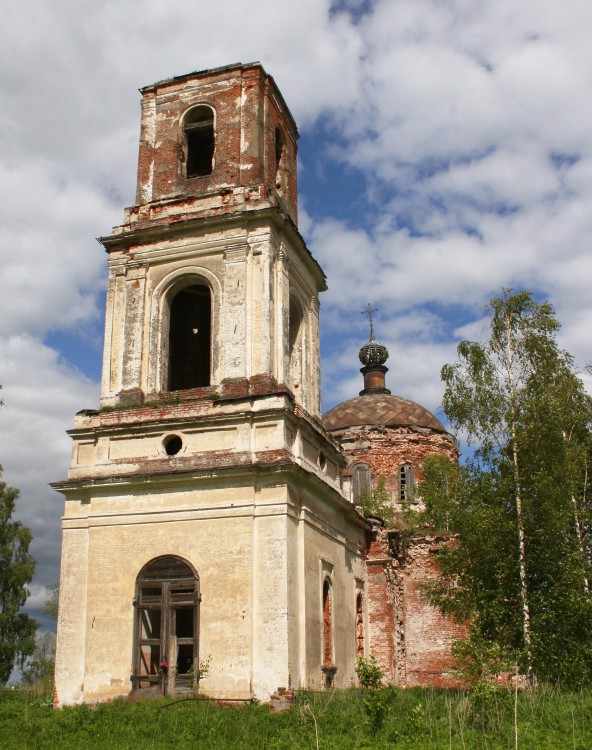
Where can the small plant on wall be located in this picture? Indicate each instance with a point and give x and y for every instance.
(377, 502)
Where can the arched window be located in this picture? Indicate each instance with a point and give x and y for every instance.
(406, 483)
(190, 338)
(359, 625)
(166, 626)
(295, 342)
(198, 128)
(361, 481)
(327, 624)
(279, 152)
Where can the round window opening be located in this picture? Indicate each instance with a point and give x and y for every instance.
(173, 445)
(322, 461)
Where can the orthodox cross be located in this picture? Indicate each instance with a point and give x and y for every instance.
(369, 312)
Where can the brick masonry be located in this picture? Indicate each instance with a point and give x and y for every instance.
(244, 169)
(384, 449)
(410, 639)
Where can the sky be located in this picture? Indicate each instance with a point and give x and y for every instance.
(445, 153)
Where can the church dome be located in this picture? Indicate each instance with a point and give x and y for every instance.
(380, 409)
(376, 405)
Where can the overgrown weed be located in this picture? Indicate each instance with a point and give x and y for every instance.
(548, 719)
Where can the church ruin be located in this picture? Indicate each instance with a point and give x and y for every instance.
(210, 511)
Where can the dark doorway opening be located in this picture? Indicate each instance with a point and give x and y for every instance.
(190, 338)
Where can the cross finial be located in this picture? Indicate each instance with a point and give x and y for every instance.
(369, 312)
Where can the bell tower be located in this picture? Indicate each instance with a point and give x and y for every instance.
(204, 514)
(210, 283)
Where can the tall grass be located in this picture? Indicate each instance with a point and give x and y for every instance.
(547, 719)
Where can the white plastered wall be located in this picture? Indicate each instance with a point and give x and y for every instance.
(257, 551)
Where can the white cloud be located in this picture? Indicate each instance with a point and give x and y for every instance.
(468, 122)
(41, 395)
(52, 267)
(38, 595)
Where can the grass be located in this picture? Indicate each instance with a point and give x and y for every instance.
(548, 719)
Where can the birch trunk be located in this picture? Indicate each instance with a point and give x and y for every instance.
(518, 501)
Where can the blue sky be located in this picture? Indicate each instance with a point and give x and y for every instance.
(445, 153)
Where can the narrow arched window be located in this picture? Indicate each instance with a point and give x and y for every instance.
(327, 625)
(198, 128)
(190, 335)
(361, 481)
(279, 147)
(295, 323)
(359, 625)
(406, 483)
(279, 152)
(295, 343)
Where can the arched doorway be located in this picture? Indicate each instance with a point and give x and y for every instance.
(166, 627)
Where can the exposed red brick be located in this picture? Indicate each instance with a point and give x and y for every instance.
(411, 639)
(249, 104)
(385, 449)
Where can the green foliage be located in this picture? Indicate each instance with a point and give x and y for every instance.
(17, 630)
(37, 672)
(377, 502)
(203, 668)
(369, 673)
(428, 719)
(440, 493)
(485, 668)
(50, 606)
(481, 660)
(521, 562)
(376, 703)
(376, 698)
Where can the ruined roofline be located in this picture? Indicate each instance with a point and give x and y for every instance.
(224, 69)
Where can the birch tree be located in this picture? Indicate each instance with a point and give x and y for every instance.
(517, 397)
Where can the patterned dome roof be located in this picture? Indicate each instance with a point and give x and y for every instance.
(380, 408)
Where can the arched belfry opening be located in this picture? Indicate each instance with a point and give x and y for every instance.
(295, 342)
(198, 130)
(280, 147)
(166, 626)
(190, 338)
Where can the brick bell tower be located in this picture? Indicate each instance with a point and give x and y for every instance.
(204, 515)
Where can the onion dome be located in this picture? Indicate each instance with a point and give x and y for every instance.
(373, 353)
